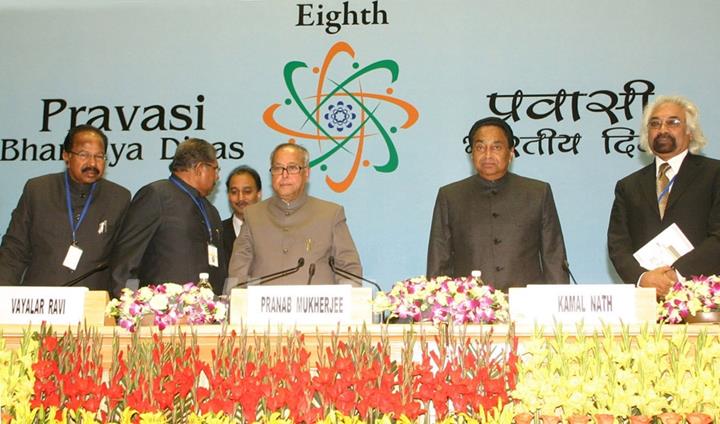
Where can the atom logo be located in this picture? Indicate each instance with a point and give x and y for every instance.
(347, 114)
(340, 116)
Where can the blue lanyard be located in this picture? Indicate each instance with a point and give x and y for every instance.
(197, 202)
(667, 189)
(74, 226)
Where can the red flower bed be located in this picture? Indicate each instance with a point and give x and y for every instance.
(244, 380)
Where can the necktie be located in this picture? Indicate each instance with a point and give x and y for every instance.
(662, 188)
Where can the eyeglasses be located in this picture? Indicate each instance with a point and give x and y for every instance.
(215, 167)
(656, 123)
(291, 169)
(85, 156)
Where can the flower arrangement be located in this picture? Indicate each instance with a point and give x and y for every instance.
(351, 379)
(16, 375)
(688, 297)
(169, 303)
(621, 375)
(443, 299)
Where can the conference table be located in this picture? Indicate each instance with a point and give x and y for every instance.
(209, 337)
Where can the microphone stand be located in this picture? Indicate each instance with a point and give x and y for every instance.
(566, 268)
(274, 276)
(74, 281)
(349, 275)
(311, 273)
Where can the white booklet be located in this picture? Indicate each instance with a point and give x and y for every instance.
(664, 249)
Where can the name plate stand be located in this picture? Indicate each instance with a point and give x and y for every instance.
(590, 303)
(301, 305)
(23, 305)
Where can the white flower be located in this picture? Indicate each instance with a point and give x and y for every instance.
(159, 302)
(172, 289)
(144, 294)
(220, 311)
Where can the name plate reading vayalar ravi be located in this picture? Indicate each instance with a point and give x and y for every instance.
(299, 304)
(54, 305)
(591, 303)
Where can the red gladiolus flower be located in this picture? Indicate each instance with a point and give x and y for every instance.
(49, 343)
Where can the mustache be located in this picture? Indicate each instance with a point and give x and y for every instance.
(661, 137)
(90, 169)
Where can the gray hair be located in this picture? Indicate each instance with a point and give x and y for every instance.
(191, 152)
(692, 120)
(296, 147)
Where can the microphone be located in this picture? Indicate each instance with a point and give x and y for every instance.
(311, 272)
(99, 267)
(566, 268)
(274, 276)
(349, 275)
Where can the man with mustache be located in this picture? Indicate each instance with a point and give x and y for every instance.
(65, 224)
(678, 187)
(499, 223)
(172, 232)
(244, 188)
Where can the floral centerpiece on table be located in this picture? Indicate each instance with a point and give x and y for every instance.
(442, 299)
(688, 297)
(169, 303)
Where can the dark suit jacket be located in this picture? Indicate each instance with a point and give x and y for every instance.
(508, 229)
(694, 205)
(164, 239)
(39, 233)
(228, 232)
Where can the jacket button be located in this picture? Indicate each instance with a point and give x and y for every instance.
(495, 214)
(285, 250)
(497, 241)
(499, 268)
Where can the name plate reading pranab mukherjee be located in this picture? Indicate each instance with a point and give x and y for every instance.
(315, 304)
(33, 305)
(590, 303)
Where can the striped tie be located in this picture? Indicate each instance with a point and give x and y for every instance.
(662, 188)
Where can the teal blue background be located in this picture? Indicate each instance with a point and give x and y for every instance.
(451, 55)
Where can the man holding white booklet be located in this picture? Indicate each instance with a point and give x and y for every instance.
(680, 188)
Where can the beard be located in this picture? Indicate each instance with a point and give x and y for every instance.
(664, 143)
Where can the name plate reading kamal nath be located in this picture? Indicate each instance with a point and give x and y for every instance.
(296, 304)
(591, 303)
(33, 305)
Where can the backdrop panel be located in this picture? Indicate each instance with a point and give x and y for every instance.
(381, 92)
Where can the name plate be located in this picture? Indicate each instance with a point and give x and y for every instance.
(33, 305)
(295, 304)
(591, 303)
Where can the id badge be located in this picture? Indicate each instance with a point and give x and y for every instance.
(213, 255)
(73, 257)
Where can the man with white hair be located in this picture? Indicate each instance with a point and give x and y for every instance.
(679, 187)
(293, 229)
